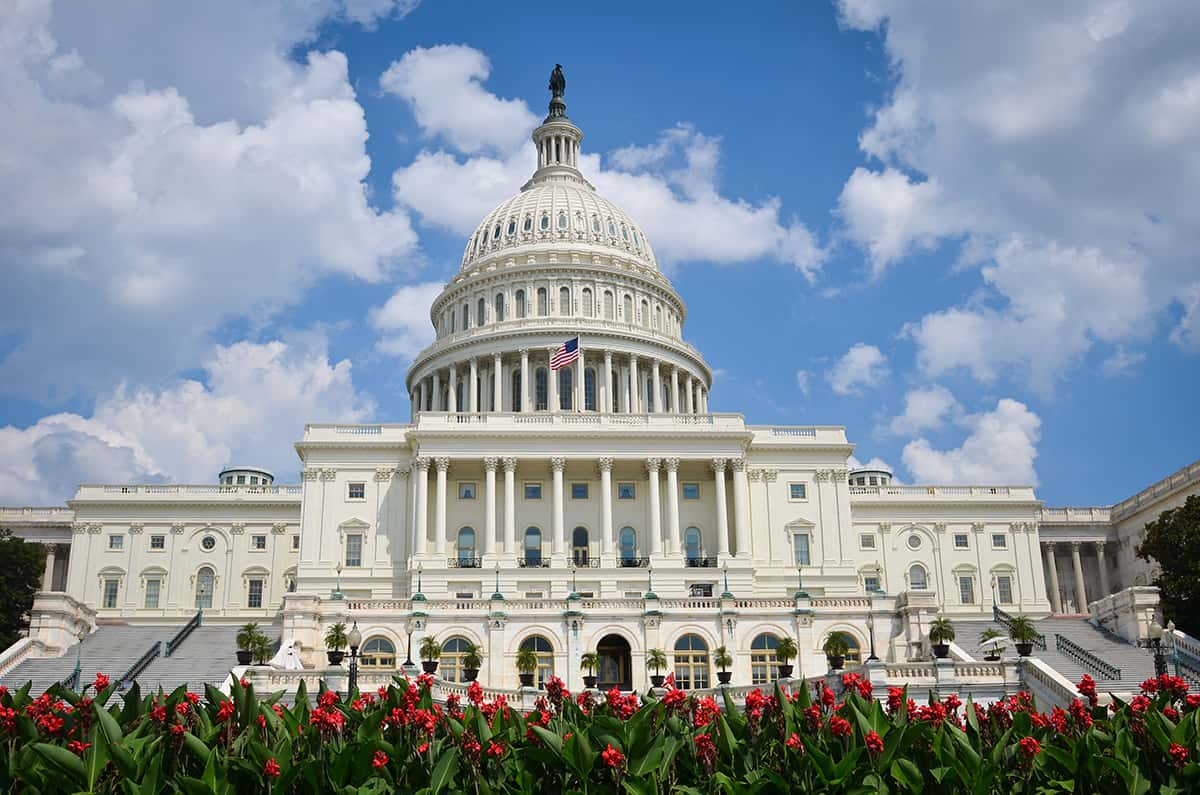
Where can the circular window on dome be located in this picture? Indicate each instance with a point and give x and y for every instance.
(207, 543)
(528, 224)
(914, 541)
(496, 232)
(512, 228)
(562, 220)
(545, 222)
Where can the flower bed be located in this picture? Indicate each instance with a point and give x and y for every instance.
(398, 739)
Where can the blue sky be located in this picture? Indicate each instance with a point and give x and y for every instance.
(966, 234)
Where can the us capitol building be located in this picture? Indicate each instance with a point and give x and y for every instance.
(597, 507)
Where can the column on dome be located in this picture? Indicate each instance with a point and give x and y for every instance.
(557, 465)
(439, 514)
(607, 405)
(452, 397)
(435, 404)
(687, 394)
(674, 543)
(420, 543)
(674, 390)
(497, 384)
(741, 508)
(510, 506)
(704, 400)
(489, 504)
(635, 389)
(606, 523)
(652, 466)
(526, 386)
(1081, 600)
(1104, 591)
(718, 466)
(657, 381)
(623, 374)
(1052, 568)
(473, 387)
(552, 403)
(420, 395)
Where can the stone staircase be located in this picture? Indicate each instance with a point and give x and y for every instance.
(1135, 664)
(206, 655)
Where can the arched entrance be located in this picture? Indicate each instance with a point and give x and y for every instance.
(616, 663)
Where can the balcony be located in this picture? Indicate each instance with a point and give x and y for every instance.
(464, 562)
(633, 563)
(585, 561)
(533, 562)
(700, 563)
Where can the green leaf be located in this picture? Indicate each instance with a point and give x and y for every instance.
(63, 760)
(908, 775)
(444, 770)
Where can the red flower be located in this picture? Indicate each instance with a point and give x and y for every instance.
(158, 714)
(380, 760)
(675, 698)
(874, 743)
(706, 750)
(101, 682)
(178, 730)
(495, 750)
(328, 699)
(612, 757)
(793, 742)
(225, 711)
(1179, 754)
(839, 726)
(271, 768)
(827, 697)
(475, 693)
(78, 748)
(244, 682)
(1030, 747)
(193, 698)
(422, 748)
(1087, 689)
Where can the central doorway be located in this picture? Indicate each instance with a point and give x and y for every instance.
(616, 663)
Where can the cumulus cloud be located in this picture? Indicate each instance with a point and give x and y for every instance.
(670, 186)
(248, 409)
(999, 450)
(403, 321)
(875, 463)
(803, 381)
(862, 366)
(1058, 145)
(145, 222)
(925, 408)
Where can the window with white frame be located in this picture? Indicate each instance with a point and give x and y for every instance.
(356, 491)
(258, 542)
(158, 542)
(111, 586)
(354, 549)
(961, 541)
(116, 542)
(797, 491)
(254, 592)
(691, 491)
(866, 541)
(295, 543)
(626, 491)
(579, 491)
(153, 587)
(917, 580)
(466, 490)
(966, 589)
(1004, 589)
(999, 541)
(800, 549)
(871, 583)
(533, 491)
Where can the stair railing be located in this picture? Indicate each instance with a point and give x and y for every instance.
(136, 669)
(71, 682)
(1187, 665)
(1005, 620)
(183, 632)
(1085, 658)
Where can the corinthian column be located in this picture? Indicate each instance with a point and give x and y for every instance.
(510, 506)
(656, 380)
(439, 511)
(557, 465)
(452, 397)
(526, 386)
(652, 465)
(420, 543)
(1103, 569)
(1080, 591)
(718, 465)
(473, 387)
(635, 397)
(489, 506)
(497, 384)
(673, 539)
(741, 510)
(606, 525)
(607, 406)
(1052, 569)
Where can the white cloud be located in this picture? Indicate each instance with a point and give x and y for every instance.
(249, 410)
(671, 187)
(925, 408)
(875, 463)
(145, 223)
(1187, 333)
(1121, 362)
(403, 322)
(862, 366)
(1058, 143)
(803, 381)
(999, 450)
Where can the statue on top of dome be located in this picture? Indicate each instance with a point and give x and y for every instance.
(558, 83)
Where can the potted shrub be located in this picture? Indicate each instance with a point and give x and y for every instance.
(335, 643)
(430, 650)
(656, 661)
(835, 647)
(941, 632)
(991, 633)
(472, 660)
(785, 652)
(1023, 633)
(249, 639)
(589, 662)
(723, 660)
(527, 664)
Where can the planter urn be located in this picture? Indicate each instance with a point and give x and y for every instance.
(469, 674)
(335, 657)
(589, 682)
(429, 666)
(244, 657)
(836, 661)
(657, 680)
(526, 680)
(1024, 649)
(724, 676)
(941, 650)
(785, 671)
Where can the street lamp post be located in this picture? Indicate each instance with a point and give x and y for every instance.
(355, 640)
(79, 659)
(1156, 647)
(725, 571)
(871, 630)
(337, 592)
(800, 593)
(408, 663)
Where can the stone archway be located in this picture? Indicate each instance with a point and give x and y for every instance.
(616, 663)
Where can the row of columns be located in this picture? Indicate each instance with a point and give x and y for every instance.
(1051, 563)
(558, 541)
(688, 394)
(555, 149)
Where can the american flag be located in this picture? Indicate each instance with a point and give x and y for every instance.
(567, 353)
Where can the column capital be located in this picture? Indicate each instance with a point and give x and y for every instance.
(402, 471)
(718, 464)
(383, 474)
(442, 463)
(754, 475)
(328, 474)
(604, 464)
(490, 462)
(510, 464)
(1100, 544)
(1048, 544)
(523, 351)
(422, 463)
(770, 475)
(1076, 544)
(672, 464)
(978, 527)
(558, 463)
(310, 473)
(737, 464)
(652, 464)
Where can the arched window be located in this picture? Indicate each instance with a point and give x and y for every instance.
(499, 307)
(691, 662)
(480, 312)
(545, 655)
(466, 317)
(649, 395)
(628, 546)
(646, 313)
(378, 653)
(466, 548)
(763, 661)
(512, 227)
(579, 546)
(452, 319)
(612, 228)
(516, 389)
(540, 386)
(595, 224)
(541, 302)
(657, 318)
(692, 546)
(520, 303)
(916, 578)
(615, 397)
(528, 225)
(545, 223)
(609, 305)
(205, 581)
(589, 389)
(565, 380)
(533, 546)
(564, 301)
(453, 651)
(627, 309)
(589, 308)
(496, 232)
(562, 220)
(854, 653)
(624, 232)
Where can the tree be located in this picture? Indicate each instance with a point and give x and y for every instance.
(1173, 542)
(20, 579)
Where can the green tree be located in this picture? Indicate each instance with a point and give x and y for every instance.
(1173, 541)
(20, 579)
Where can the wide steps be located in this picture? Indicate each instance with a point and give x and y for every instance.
(111, 650)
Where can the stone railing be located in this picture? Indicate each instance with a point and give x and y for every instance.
(689, 604)
(1127, 613)
(1148, 495)
(541, 420)
(841, 603)
(1088, 515)
(981, 493)
(18, 653)
(92, 490)
(1048, 686)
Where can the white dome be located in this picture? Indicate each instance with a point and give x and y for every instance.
(555, 212)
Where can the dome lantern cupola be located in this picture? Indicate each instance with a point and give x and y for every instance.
(557, 140)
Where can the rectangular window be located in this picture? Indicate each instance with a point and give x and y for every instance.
(152, 589)
(354, 550)
(874, 480)
(254, 480)
(800, 548)
(116, 542)
(241, 480)
(866, 541)
(700, 589)
(258, 542)
(356, 491)
(960, 541)
(633, 594)
(579, 491)
(966, 590)
(797, 491)
(466, 491)
(999, 541)
(626, 491)
(464, 595)
(691, 491)
(533, 491)
(254, 593)
(1004, 589)
(295, 543)
(158, 542)
(870, 584)
(110, 592)
(539, 595)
